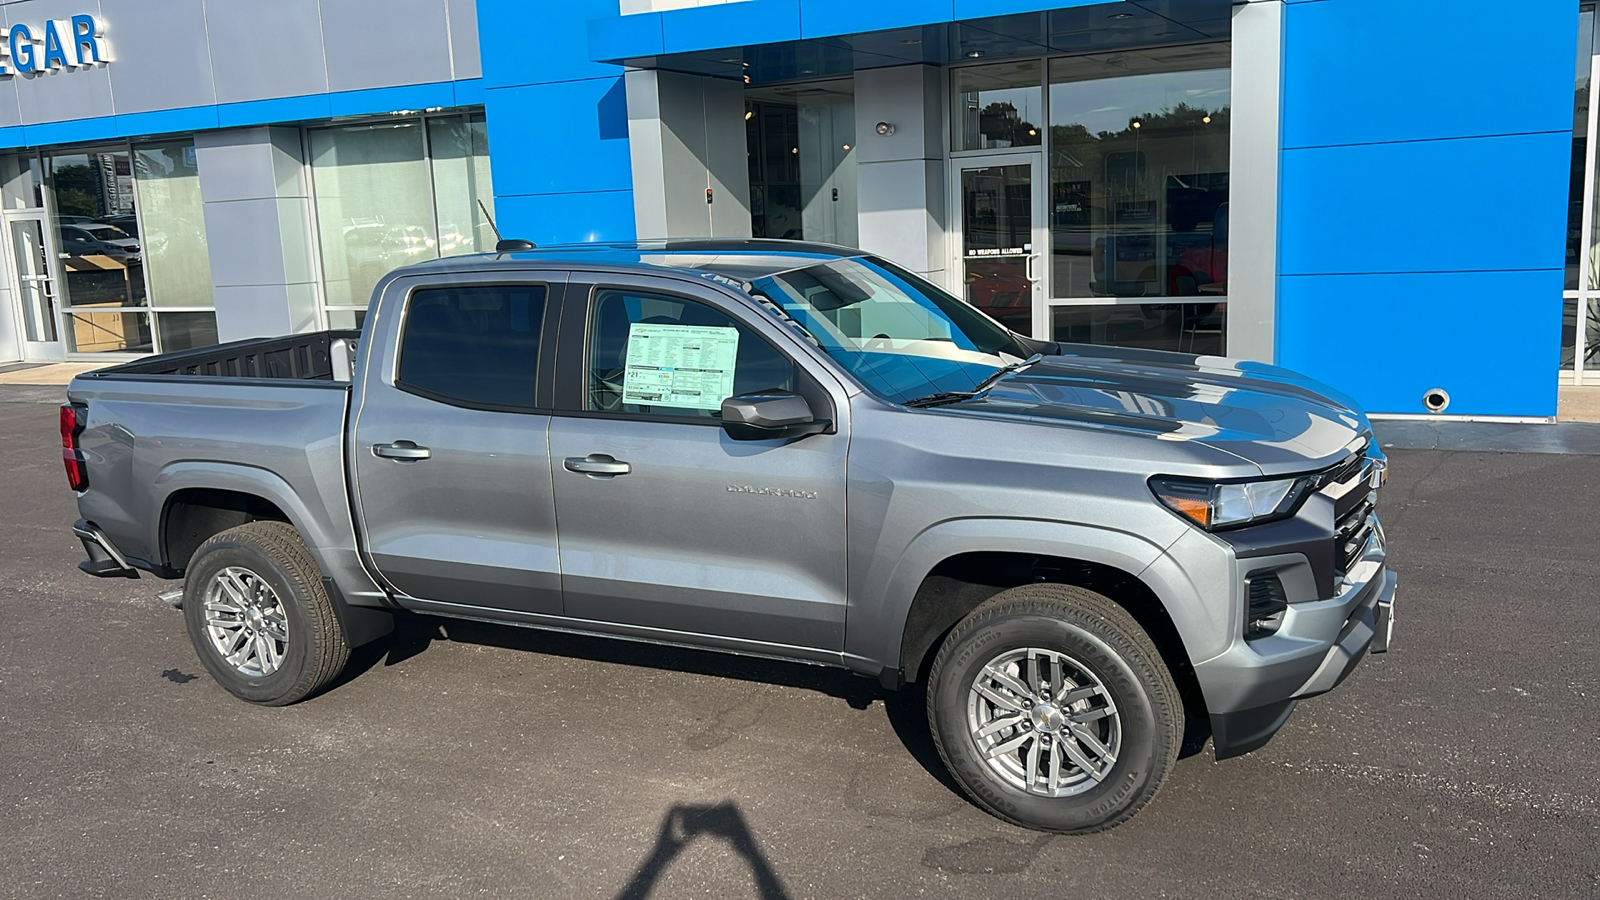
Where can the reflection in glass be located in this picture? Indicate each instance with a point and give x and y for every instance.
(1139, 173)
(101, 260)
(998, 106)
(1591, 352)
(1569, 332)
(1580, 145)
(801, 140)
(373, 208)
(1185, 327)
(997, 241)
(459, 146)
(109, 332)
(177, 261)
(186, 330)
(21, 182)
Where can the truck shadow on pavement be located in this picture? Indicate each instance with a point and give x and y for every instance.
(904, 709)
(686, 823)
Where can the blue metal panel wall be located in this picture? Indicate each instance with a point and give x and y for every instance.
(1424, 182)
(558, 123)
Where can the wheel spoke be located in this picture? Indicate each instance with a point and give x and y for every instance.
(1033, 762)
(1036, 677)
(1070, 748)
(1071, 694)
(1001, 723)
(1054, 780)
(1003, 700)
(1087, 739)
(1006, 680)
(1008, 745)
(1090, 715)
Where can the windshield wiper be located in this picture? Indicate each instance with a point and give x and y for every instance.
(954, 396)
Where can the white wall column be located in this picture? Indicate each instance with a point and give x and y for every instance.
(686, 134)
(1255, 146)
(901, 176)
(257, 206)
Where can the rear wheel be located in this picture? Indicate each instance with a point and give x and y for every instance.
(1052, 708)
(259, 617)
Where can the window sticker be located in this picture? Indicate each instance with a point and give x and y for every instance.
(687, 366)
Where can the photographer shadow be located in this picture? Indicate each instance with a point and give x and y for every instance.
(686, 823)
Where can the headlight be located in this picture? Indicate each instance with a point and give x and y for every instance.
(1213, 505)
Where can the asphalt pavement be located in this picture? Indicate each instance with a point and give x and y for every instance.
(468, 760)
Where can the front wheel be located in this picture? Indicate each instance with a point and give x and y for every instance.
(1053, 709)
(259, 617)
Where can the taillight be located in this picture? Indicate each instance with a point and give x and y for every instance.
(72, 421)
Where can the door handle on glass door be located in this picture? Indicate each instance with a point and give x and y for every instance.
(597, 464)
(1031, 274)
(401, 451)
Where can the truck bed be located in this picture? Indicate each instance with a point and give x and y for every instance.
(314, 356)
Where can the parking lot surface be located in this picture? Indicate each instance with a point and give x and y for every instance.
(469, 760)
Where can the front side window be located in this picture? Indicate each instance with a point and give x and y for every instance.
(474, 346)
(900, 336)
(660, 355)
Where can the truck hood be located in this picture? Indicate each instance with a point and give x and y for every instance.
(1283, 422)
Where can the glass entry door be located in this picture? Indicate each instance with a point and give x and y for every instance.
(1000, 237)
(35, 290)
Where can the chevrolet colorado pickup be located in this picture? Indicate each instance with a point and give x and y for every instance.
(789, 450)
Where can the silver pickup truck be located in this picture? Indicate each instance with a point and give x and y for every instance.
(769, 448)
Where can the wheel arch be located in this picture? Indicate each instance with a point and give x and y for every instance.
(952, 568)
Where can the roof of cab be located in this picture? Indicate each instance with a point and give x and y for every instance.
(742, 259)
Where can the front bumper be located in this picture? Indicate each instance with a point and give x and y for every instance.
(1253, 687)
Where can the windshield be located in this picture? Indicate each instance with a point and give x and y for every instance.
(903, 338)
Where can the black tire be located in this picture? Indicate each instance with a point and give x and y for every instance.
(313, 652)
(1088, 635)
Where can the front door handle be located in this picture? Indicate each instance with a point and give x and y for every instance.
(405, 451)
(597, 464)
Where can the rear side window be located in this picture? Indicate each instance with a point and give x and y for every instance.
(473, 346)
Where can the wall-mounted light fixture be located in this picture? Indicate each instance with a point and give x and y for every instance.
(885, 128)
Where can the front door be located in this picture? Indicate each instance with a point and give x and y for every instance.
(667, 523)
(35, 289)
(1000, 237)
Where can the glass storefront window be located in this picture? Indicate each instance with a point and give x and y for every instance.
(1138, 160)
(801, 141)
(998, 106)
(374, 207)
(1580, 146)
(459, 146)
(21, 182)
(102, 264)
(1184, 327)
(393, 193)
(171, 226)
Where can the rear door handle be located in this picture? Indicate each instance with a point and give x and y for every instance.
(401, 450)
(597, 464)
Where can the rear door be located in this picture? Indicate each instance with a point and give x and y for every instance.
(450, 449)
(667, 523)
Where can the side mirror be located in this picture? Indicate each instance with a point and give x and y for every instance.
(761, 417)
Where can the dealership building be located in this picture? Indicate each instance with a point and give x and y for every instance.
(1395, 197)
